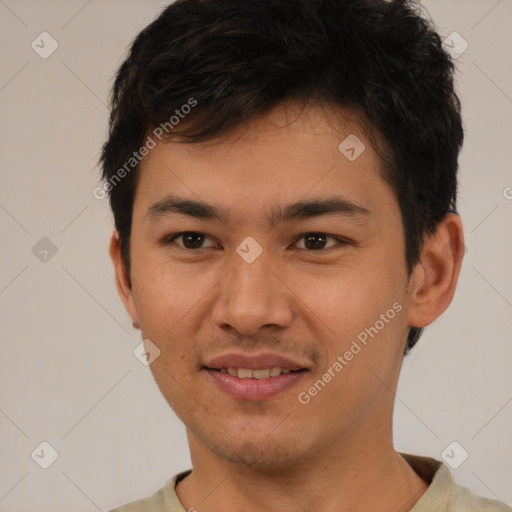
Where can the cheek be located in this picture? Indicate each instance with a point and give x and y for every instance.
(172, 301)
(167, 302)
(363, 310)
(166, 293)
(349, 298)
(363, 353)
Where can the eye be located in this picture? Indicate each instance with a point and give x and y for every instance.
(191, 240)
(318, 241)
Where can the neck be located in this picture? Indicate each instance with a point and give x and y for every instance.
(342, 480)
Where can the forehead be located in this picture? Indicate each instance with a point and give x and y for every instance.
(290, 153)
(288, 124)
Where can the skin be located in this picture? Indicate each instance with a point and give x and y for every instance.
(336, 452)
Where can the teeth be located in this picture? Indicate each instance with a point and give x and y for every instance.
(261, 374)
(247, 373)
(244, 373)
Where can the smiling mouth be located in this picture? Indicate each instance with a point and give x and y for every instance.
(255, 384)
(264, 373)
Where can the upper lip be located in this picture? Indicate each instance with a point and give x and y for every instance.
(255, 362)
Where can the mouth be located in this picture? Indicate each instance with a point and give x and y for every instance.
(248, 373)
(254, 378)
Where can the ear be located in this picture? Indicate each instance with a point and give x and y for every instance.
(123, 283)
(434, 279)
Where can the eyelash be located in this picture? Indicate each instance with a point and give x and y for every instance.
(341, 242)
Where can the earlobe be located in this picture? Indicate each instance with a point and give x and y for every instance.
(434, 279)
(123, 284)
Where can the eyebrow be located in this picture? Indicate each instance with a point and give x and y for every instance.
(335, 205)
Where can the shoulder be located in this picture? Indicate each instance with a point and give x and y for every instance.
(153, 503)
(443, 494)
(463, 500)
(164, 500)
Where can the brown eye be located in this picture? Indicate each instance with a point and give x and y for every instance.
(190, 240)
(317, 241)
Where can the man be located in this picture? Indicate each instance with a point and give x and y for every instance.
(283, 180)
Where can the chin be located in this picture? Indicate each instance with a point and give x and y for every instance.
(259, 456)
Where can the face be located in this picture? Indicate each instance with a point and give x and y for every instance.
(271, 249)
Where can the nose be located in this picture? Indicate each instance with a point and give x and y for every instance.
(252, 297)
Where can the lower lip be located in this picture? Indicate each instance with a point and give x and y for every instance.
(254, 389)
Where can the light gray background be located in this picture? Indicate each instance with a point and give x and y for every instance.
(68, 374)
